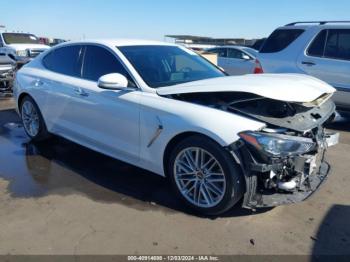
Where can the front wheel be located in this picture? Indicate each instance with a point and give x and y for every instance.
(204, 175)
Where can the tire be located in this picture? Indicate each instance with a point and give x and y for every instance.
(219, 185)
(33, 123)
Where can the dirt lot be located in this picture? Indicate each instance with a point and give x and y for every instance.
(60, 198)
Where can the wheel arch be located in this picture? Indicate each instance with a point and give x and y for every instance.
(19, 102)
(20, 99)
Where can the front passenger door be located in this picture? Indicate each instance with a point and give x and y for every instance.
(105, 120)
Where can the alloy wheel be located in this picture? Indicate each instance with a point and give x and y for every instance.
(199, 177)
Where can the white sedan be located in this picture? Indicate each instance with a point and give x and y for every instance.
(163, 108)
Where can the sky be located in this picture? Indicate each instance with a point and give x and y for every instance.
(152, 19)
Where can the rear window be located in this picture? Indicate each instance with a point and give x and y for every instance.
(280, 39)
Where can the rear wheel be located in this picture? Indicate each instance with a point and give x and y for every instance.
(204, 175)
(32, 119)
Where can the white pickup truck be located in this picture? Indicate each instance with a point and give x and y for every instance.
(16, 49)
(20, 46)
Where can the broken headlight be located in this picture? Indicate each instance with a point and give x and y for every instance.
(278, 145)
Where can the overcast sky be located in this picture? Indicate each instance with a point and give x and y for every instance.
(152, 19)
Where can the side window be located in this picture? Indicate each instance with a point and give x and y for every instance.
(98, 61)
(318, 45)
(280, 39)
(222, 52)
(64, 60)
(234, 53)
(1, 42)
(338, 44)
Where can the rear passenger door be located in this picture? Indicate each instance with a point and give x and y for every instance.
(328, 58)
(63, 66)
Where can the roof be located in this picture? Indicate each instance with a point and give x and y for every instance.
(194, 37)
(120, 42)
(239, 47)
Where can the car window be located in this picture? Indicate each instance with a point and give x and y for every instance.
(20, 38)
(160, 65)
(338, 44)
(234, 53)
(64, 60)
(221, 52)
(98, 61)
(280, 39)
(318, 45)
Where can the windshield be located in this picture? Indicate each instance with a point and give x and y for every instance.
(17, 38)
(169, 65)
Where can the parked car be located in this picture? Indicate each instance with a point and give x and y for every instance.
(21, 47)
(164, 108)
(236, 60)
(320, 49)
(7, 69)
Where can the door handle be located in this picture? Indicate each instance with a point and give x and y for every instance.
(308, 63)
(80, 92)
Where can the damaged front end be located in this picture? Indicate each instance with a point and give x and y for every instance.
(284, 162)
(282, 169)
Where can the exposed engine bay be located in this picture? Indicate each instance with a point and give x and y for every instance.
(283, 163)
(295, 116)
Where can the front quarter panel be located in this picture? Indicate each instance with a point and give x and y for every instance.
(178, 117)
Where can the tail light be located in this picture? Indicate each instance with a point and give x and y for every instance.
(258, 68)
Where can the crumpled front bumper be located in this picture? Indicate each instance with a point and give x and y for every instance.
(278, 199)
(256, 196)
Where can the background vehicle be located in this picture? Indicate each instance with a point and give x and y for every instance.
(148, 104)
(235, 60)
(320, 49)
(258, 44)
(21, 47)
(7, 68)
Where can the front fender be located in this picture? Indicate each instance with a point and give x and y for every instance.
(178, 117)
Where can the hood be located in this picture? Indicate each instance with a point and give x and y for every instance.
(28, 46)
(284, 87)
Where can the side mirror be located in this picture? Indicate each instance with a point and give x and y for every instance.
(246, 57)
(113, 81)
